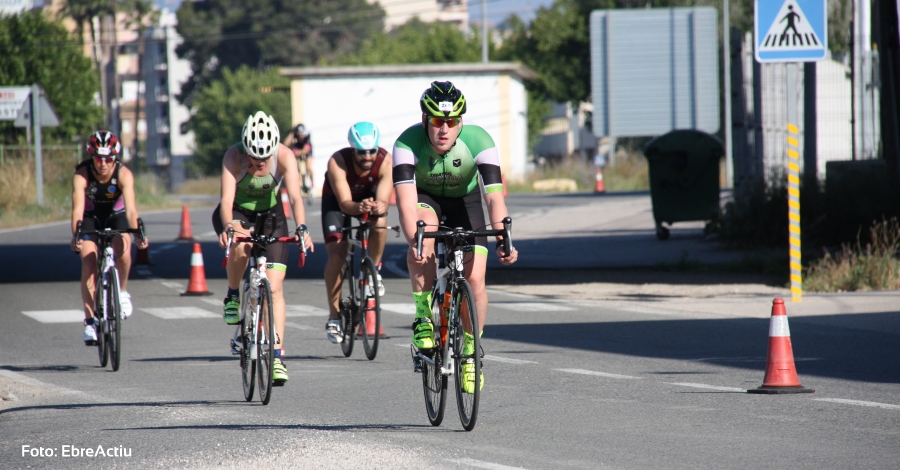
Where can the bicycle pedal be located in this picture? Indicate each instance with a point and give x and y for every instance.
(90, 343)
(278, 383)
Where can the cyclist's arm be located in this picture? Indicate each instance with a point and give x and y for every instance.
(403, 175)
(231, 167)
(385, 185)
(126, 181)
(288, 167)
(79, 185)
(337, 178)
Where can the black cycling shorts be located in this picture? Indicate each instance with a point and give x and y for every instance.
(91, 222)
(333, 220)
(465, 212)
(276, 253)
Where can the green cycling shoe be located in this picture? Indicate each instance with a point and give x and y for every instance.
(423, 333)
(279, 372)
(232, 309)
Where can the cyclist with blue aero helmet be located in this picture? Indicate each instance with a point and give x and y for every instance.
(358, 181)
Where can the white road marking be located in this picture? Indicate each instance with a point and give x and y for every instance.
(750, 359)
(56, 316)
(306, 311)
(177, 313)
(173, 285)
(511, 294)
(859, 403)
(710, 387)
(298, 326)
(24, 379)
(406, 309)
(601, 374)
(216, 302)
(482, 464)
(532, 306)
(507, 360)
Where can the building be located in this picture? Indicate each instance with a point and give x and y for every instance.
(328, 100)
(398, 12)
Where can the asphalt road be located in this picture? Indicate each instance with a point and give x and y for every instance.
(647, 381)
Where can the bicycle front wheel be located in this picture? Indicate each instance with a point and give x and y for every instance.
(465, 312)
(113, 320)
(248, 365)
(349, 309)
(265, 342)
(371, 317)
(434, 383)
(100, 320)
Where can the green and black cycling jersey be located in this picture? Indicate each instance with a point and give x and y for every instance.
(454, 174)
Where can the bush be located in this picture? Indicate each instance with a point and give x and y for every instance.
(873, 266)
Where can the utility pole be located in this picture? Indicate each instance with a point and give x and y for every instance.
(484, 32)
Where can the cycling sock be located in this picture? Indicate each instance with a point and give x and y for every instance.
(232, 292)
(89, 321)
(423, 304)
(279, 353)
(469, 342)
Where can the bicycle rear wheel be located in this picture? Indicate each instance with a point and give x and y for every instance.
(248, 365)
(434, 383)
(464, 307)
(113, 320)
(371, 307)
(265, 342)
(349, 309)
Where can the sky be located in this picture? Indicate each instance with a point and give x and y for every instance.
(497, 10)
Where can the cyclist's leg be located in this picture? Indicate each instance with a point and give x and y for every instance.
(238, 258)
(475, 267)
(88, 276)
(309, 170)
(377, 239)
(333, 220)
(422, 275)
(276, 272)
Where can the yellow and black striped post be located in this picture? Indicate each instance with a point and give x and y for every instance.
(793, 177)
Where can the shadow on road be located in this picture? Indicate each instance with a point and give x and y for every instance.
(821, 344)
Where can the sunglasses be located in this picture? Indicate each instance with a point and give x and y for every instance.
(362, 152)
(451, 122)
(104, 159)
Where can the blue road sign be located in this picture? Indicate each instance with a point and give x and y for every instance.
(791, 30)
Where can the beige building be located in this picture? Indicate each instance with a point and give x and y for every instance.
(447, 11)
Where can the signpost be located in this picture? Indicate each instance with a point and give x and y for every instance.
(29, 107)
(792, 31)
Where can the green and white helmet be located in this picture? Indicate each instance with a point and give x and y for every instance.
(260, 136)
(443, 99)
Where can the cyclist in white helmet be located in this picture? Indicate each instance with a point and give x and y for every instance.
(253, 172)
(358, 181)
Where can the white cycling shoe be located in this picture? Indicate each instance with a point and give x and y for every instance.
(380, 285)
(333, 329)
(90, 335)
(125, 303)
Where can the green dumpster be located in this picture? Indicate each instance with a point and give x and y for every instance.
(684, 178)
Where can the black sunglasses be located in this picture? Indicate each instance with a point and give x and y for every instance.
(362, 152)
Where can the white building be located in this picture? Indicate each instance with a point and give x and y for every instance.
(398, 12)
(328, 100)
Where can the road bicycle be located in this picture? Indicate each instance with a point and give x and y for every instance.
(453, 312)
(254, 338)
(306, 182)
(360, 301)
(107, 310)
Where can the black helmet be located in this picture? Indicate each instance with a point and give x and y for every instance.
(443, 99)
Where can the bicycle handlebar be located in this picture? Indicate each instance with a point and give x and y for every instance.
(108, 232)
(459, 233)
(265, 240)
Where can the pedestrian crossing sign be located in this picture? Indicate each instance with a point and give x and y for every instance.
(791, 30)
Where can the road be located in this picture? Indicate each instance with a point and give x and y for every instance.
(619, 374)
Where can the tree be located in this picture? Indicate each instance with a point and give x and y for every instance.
(223, 105)
(36, 50)
(417, 42)
(221, 34)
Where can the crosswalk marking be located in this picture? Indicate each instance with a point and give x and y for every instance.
(601, 374)
(507, 360)
(860, 403)
(178, 313)
(405, 309)
(56, 316)
(532, 306)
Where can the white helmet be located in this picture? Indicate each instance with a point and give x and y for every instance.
(260, 136)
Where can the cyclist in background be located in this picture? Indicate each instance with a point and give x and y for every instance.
(358, 181)
(103, 197)
(298, 140)
(437, 165)
(251, 183)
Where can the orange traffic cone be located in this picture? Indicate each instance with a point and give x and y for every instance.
(143, 256)
(781, 374)
(598, 183)
(197, 283)
(286, 203)
(370, 322)
(186, 232)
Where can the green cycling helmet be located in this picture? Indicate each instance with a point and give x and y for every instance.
(443, 99)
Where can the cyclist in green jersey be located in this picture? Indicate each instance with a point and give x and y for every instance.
(251, 183)
(436, 168)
